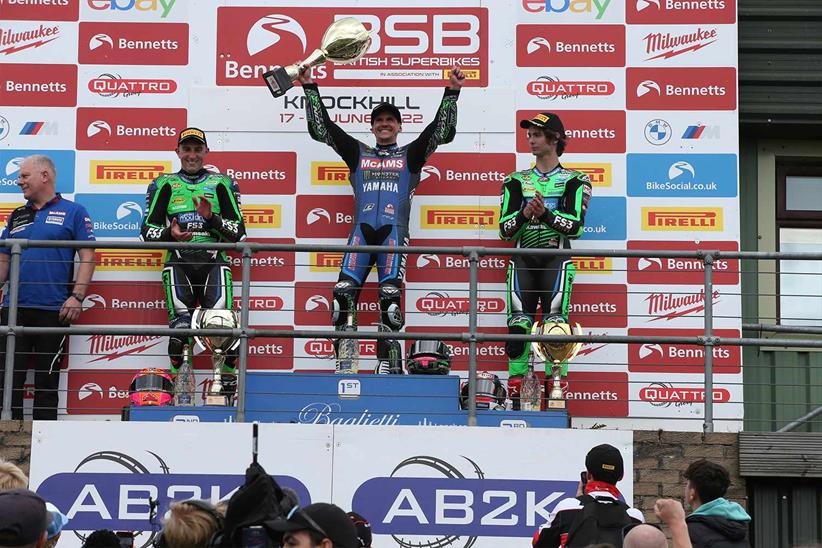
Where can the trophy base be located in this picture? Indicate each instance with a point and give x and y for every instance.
(555, 404)
(216, 399)
(278, 81)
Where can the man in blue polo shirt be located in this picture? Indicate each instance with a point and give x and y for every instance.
(47, 296)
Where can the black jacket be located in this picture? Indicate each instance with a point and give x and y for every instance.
(717, 532)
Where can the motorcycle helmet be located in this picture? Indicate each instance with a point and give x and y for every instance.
(151, 386)
(490, 392)
(428, 358)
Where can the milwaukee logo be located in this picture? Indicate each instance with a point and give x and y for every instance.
(113, 172)
(668, 306)
(325, 262)
(593, 265)
(129, 259)
(329, 173)
(111, 347)
(598, 173)
(459, 217)
(660, 45)
(682, 218)
(12, 41)
(262, 216)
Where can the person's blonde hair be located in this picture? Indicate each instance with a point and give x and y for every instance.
(11, 477)
(188, 526)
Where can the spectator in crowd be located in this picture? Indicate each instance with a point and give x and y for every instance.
(597, 514)
(102, 538)
(46, 295)
(320, 524)
(714, 521)
(56, 521)
(190, 524)
(23, 519)
(671, 513)
(195, 205)
(643, 535)
(363, 528)
(11, 477)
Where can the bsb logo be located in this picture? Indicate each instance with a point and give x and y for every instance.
(321, 217)
(682, 219)
(463, 174)
(38, 85)
(594, 131)
(705, 88)
(682, 175)
(678, 12)
(129, 128)
(409, 46)
(21, 10)
(681, 271)
(133, 43)
(570, 45)
(257, 172)
(681, 358)
(114, 215)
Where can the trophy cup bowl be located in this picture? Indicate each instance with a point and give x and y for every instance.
(345, 41)
(216, 318)
(556, 353)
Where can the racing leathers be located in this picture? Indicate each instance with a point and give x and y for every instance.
(534, 279)
(383, 179)
(194, 276)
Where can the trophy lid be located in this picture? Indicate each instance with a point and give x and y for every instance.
(345, 40)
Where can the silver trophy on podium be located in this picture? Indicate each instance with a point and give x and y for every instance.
(345, 41)
(556, 353)
(219, 346)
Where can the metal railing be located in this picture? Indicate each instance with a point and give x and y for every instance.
(473, 336)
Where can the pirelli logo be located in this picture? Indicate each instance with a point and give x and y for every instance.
(329, 173)
(459, 217)
(263, 216)
(470, 74)
(593, 265)
(599, 173)
(126, 172)
(5, 211)
(325, 262)
(706, 219)
(129, 259)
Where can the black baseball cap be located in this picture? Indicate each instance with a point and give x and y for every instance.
(605, 463)
(23, 517)
(388, 108)
(329, 520)
(194, 134)
(547, 120)
(363, 529)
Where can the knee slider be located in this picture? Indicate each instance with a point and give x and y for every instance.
(344, 302)
(390, 310)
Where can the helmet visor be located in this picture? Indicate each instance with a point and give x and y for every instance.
(152, 383)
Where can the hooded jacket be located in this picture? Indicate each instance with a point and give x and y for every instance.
(719, 524)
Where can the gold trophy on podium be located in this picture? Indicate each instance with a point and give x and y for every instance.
(556, 353)
(216, 318)
(345, 41)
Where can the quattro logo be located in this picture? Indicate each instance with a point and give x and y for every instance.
(704, 88)
(143, 260)
(262, 215)
(682, 175)
(678, 12)
(130, 172)
(682, 219)
(600, 174)
(665, 395)
(570, 45)
(465, 174)
(552, 88)
(459, 217)
(133, 43)
(594, 131)
(38, 85)
(681, 271)
(113, 85)
(129, 128)
(409, 46)
(329, 174)
(257, 172)
(443, 304)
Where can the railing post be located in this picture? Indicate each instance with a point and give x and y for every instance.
(473, 261)
(708, 425)
(8, 374)
(243, 361)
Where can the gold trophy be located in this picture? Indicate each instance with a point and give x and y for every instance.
(216, 318)
(345, 41)
(556, 353)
